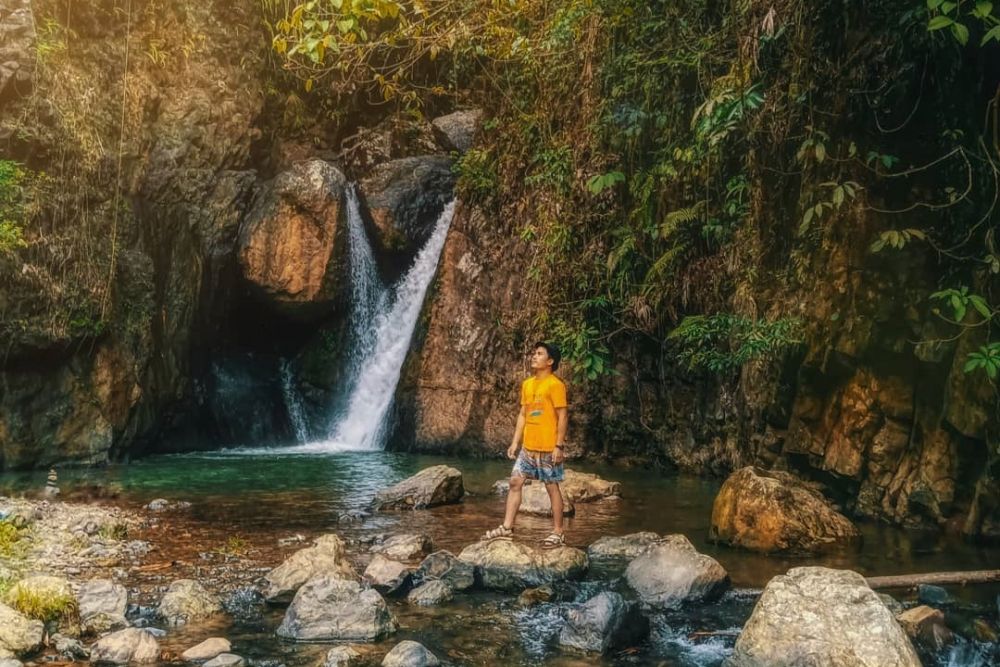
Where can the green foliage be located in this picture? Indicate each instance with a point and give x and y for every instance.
(552, 167)
(958, 15)
(235, 545)
(602, 182)
(9, 537)
(12, 177)
(44, 606)
(986, 359)
(114, 531)
(962, 301)
(896, 239)
(584, 349)
(722, 343)
(477, 176)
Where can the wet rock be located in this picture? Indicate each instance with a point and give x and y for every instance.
(621, 547)
(163, 505)
(131, 645)
(443, 565)
(387, 576)
(410, 654)
(327, 608)
(673, 572)
(226, 660)
(69, 648)
(437, 485)
(535, 499)
(342, 656)
(926, 626)
(404, 547)
(102, 605)
(430, 594)
(891, 603)
(207, 649)
(186, 600)
(509, 566)
(405, 197)
(775, 511)
(245, 603)
(582, 487)
(155, 633)
(328, 556)
(604, 622)
(531, 597)
(819, 616)
(10, 662)
(456, 131)
(289, 241)
(984, 632)
(934, 596)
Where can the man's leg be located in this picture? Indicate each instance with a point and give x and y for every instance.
(555, 497)
(513, 501)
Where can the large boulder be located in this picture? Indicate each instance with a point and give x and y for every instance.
(819, 616)
(776, 511)
(185, 601)
(17, 50)
(673, 572)
(585, 487)
(102, 605)
(290, 242)
(405, 547)
(327, 608)
(621, 546)
(409, 653)
(430, 594)
(604, 622)
(387, 576)
(328, 556)
(535, 498)
(405, 197)
(18, 634)
(513, 566)
(444, 566)
(456, 131)
(131, 645)
(206, 650)
(437, 485)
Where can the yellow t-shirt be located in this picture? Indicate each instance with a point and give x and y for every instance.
(540, 400)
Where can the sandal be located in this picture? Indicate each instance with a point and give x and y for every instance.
(501, 532)
(553, 540)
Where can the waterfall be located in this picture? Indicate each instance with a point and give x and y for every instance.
(293, 403)
(382, 347)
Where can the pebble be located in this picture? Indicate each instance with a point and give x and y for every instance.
(226, 660)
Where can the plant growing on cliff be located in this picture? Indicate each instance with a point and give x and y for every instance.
(723, 343)
(12, 177)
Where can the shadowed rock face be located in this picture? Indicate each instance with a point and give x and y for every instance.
(819, 616)
(672, 572)
(604, 622)
(288, 243)
(331, 609)
(775, 511)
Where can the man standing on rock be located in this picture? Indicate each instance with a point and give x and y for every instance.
(542, 424)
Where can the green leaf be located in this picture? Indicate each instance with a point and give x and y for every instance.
(971, 365)
(939, 22)
(983, 9)
(961, 33)
(820, 152)
(934, 4)
(979, 303)
(947, 6)
(838, 196)
(994, 34)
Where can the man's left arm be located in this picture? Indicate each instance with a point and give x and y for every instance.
(562, 418)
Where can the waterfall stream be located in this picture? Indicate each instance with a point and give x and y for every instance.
(381, 325)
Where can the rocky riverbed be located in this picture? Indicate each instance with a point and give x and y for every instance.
(121, 582)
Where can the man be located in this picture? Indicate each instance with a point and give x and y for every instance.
(542, 424)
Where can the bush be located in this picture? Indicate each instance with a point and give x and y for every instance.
(43, 605)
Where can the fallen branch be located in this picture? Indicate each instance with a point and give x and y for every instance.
(935, 578)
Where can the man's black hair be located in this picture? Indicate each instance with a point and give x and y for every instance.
(553, 351)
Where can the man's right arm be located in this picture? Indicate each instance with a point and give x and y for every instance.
(518, 432)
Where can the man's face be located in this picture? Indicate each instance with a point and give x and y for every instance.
(540, 359)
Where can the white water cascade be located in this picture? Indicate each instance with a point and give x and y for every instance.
(382, 320)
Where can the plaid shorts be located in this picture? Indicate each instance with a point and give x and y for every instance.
(537, 465)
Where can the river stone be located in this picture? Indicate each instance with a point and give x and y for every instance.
(584, 487)
(327, 608)
(341, 656)
(443, 565)
(672, 572)
(405, 197)
(68, 648)
(328, 556)
(456, 131)
(621, 547)
(18, 634)
(131, 645)
(437, 485)
(226, 660)
(10, 662)
(409, 653)
(776, 511)
(512, 566)
(926, 625)
(207, 649)
(405, 547)
(818, 616)
(102, 605)
(535, 500)
(387, 576)
(289, 241)
(604, 622)
(936, 596)
(186, 600)
(430, 594)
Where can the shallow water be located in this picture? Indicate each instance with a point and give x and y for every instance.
(263, 495)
